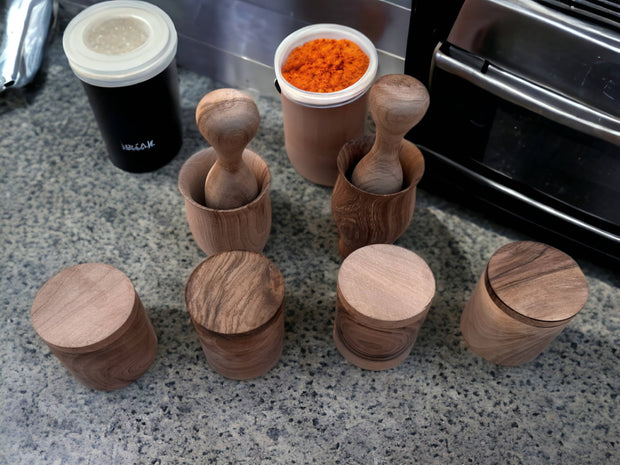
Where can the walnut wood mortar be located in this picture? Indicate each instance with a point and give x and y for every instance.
(364, 218)
(93, 321)
(216, 230)
(525, 297)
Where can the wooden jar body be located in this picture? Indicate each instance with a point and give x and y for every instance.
(501, 338)
(372, 347)
(236, 302)
(363, 218)
(244, 228)
(383, 295)
(314, 136)
(244, 356)
(121, 361)
(93, 321)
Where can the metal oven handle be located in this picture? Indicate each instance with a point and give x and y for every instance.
(531, 96)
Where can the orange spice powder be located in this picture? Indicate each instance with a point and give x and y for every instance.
(325, 65)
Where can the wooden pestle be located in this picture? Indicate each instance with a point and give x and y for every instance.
(228, 120)
(397, 103)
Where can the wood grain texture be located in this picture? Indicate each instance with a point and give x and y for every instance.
(313, 136)
(397, 103)
(228, 120)
(499, 338)
(384, 294)
(236, 303)
(364, 218)
(525, 297)
(372, 348)
(215, 230)
(537, 282)
(91, 318)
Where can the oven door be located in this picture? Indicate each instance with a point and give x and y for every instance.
(540, 144)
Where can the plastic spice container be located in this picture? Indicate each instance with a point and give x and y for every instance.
(316, 125)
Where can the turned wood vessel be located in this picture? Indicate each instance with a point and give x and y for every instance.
(397, 103)
(92, 319)
(384, 293)
(228, 120)
(215, 230)
(525, 297)
(236, 303)
(364, 218)
(226, 186)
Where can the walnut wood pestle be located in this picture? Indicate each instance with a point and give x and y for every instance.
(397, 103)
(228, 120)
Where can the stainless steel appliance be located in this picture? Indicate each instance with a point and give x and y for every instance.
(525, 112)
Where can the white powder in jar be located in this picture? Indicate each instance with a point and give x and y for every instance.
(116, 36)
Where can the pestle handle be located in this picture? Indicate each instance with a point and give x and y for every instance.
(397, 103)
(228, 119)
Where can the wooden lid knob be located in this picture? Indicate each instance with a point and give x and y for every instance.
(235, 292)
(84, 307)
(536, 281)
(386, 285)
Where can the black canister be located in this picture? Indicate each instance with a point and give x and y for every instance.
(124, 54)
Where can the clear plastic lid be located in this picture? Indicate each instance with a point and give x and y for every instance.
(325, 31)
(120, 43)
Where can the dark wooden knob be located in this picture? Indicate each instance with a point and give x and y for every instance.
(397, 103)
(228, 120)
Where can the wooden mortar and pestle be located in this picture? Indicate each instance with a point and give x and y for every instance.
(226, 186)
(374, 195)
(397, 103)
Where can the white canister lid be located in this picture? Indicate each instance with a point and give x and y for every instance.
(120, 43)
(325, 31)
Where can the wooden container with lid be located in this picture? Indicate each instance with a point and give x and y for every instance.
(526, 295)
(384, 293)
(236, 303)
(92, 319)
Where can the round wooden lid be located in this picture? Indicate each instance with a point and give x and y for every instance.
(84, 307)
(386, 285)
(536, 281)
(234, 292)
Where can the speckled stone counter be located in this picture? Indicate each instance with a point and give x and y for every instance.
(64, 203)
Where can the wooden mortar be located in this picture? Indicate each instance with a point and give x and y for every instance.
(91, 318)
(384, 293)
(236, 303)
(525, 297)
(217, 230)
(364, 218)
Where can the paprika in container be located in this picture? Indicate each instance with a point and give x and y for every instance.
(325, 65)
(324, 72)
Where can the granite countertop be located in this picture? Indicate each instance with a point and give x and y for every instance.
(64, 203)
